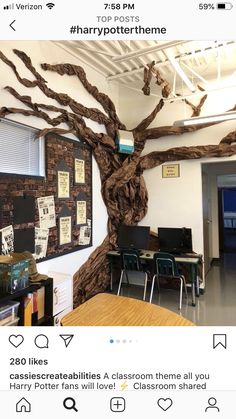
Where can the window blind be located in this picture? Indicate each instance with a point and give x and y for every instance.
(20, 153)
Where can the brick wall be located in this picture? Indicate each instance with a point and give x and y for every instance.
(57, 148)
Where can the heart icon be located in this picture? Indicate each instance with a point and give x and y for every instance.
(164, 404)
(16, 340)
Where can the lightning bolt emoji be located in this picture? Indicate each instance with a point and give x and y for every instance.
(124, 386)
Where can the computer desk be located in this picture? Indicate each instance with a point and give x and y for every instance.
(147, 256)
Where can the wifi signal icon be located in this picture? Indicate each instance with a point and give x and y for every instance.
(50, 5)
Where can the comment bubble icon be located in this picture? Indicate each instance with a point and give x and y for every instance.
(41, 341)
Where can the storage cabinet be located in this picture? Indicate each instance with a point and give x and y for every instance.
(20, 296)
(62, 295)
(55, 300)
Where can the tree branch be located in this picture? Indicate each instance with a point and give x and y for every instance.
(165, 87)
(147, 121)
(62, 98)
(229, 138)
(223, 149)
(196, 108)
(158, 132)
(75, 123)
(25, 82)
(102, 98)
(147, 77)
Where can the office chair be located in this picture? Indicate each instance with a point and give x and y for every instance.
(130, 261)
(164, 265)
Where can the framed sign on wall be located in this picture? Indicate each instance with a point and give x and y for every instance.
(170, 170)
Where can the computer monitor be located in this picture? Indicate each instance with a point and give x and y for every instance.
(133, 237)
(175, 240)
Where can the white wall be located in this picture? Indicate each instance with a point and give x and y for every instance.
(41, 52)
(177, 202)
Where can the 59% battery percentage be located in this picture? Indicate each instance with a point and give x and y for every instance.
(206, 6)
(218, 6)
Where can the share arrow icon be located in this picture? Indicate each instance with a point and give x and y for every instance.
(67, 339)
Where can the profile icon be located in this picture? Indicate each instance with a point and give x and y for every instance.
(212, 405)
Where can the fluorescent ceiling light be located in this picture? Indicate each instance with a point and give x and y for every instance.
(205, 119)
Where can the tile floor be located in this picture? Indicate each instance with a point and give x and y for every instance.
(216, 307)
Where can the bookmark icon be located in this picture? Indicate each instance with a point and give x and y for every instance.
(219, 340)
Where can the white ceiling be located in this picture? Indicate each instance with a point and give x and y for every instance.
(124, 61)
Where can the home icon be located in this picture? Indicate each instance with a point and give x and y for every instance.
(23, 406)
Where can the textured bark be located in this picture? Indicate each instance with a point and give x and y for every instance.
(165, 87)
(147, 78)
(103, 99)
(147, 121)
(158, 132)
(75, 122)
(25, 82)
(224, 149)
(229, 138)
(123, 187)
(63, 99)
(196, 109)
(93, 275)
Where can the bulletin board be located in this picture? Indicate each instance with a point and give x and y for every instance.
(57, 208)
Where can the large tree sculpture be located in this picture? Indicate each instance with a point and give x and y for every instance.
(123, 187)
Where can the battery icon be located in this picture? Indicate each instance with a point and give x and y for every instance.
(224, 6)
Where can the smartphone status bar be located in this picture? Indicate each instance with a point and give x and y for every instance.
(117, 20)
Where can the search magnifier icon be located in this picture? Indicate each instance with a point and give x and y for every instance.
(69, 404)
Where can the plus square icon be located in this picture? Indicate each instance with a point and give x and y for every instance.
(117, 404)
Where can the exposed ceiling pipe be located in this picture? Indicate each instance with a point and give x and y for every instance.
(147, 50)
(182, 57)
(199, 93)
(195, 73)
(180, 71)
(179, 98)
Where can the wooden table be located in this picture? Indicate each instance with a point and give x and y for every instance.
(113, 310)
